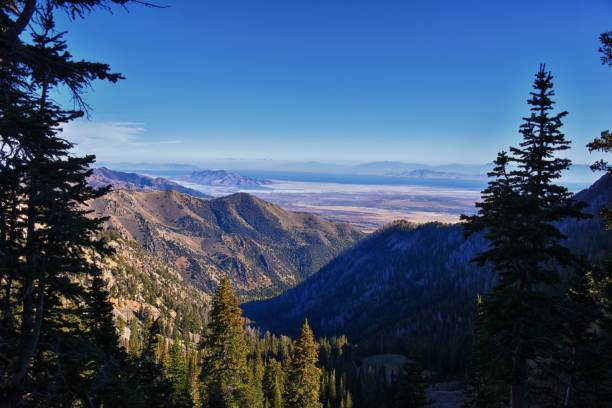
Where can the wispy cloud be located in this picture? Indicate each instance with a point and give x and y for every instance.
(111, 139)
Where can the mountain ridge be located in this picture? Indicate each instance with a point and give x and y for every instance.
(410, 281)
(223, 178)
(258, 245)
(102, 177)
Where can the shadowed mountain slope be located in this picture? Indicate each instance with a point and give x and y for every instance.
(407, 280)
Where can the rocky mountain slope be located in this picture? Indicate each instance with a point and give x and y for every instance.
(262, 248)
(223, 178)
(144, 288)
(409, 281)
(120, 180)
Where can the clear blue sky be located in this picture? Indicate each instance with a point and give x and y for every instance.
(423, 80)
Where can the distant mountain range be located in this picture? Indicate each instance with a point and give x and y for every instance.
(410, 281)
(262, 248)
(388, 172)
(578, 173)
(144, 166)
(398, 167)
(222, 178)
(119, 180)
(434, 174)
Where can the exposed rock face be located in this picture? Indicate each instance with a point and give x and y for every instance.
(144, 288)
(262, 248)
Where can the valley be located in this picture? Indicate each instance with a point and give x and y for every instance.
(305, 204)
(413, 281)
(411, 284)
(366, 196)
(367, 206)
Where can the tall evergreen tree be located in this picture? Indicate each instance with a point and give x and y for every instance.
(273, 384)
(410, 387)
(587, 336)
(46, 235)
(175, 368)
(193, 372)
(603, 143)
(347, 401)
(146, 377)
(484, 387)
(581, 365)
(55, 320)
(224, 364)
(256, 374)
(304, 376)
(109, 363)
(526, 250)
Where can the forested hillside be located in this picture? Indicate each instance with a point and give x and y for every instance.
(409, 281)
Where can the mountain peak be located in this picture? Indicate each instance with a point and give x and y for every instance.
(247, 200)
(119, 180)
(259, 246)
(223, 178)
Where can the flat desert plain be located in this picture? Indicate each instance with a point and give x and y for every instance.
(365, 205)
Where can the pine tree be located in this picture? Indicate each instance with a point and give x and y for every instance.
(108, 386)
(303, 380)
(603, 143)
(46, 234)
(580, 365)
(175, 368)
(193, 372)
(146, 377)
(273, 384)
(484, 388)
(256, 371)
(526, 250)
(348, 400)
(224, 364)
(332, 395)
(603, 276)
(411, 387)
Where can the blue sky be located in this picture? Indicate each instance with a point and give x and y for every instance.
(429, 81)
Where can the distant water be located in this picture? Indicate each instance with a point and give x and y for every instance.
(160, 172)
(342, 178)
(370, 179)
(367, 179)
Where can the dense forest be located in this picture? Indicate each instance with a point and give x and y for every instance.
(540, 334)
